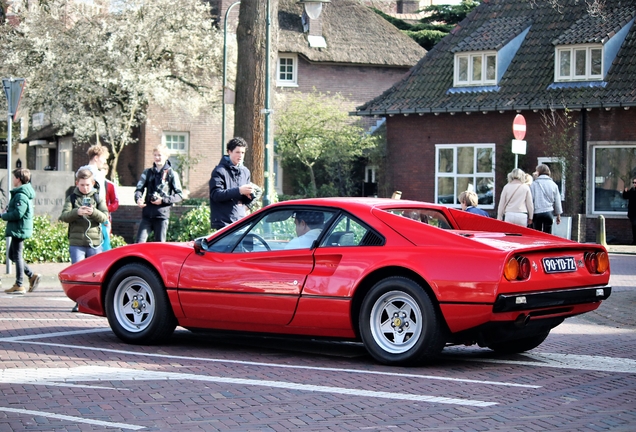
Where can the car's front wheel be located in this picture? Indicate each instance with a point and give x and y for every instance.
(137, 306)
(399, 324)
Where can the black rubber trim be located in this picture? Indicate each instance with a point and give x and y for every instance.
(539, 300)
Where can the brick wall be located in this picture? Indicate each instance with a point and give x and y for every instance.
(412, 139)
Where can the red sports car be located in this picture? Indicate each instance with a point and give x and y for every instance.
(404, 277)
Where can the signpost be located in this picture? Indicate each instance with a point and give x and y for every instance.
(519, 131)
(13, 88)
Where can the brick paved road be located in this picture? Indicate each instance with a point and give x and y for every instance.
(67, 372)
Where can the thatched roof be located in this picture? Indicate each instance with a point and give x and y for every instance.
(354, 34)
(528, 82)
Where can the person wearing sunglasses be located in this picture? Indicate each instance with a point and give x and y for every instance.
(630, 195)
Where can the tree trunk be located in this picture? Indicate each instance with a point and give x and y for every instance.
(249, 122)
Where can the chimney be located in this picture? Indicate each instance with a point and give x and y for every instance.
(408, 6)
(313, 28)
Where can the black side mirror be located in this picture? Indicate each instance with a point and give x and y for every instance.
(199, 245)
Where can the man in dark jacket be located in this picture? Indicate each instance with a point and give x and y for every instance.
(630, 194)
(163, 188)
(230, 187)
(19, 217)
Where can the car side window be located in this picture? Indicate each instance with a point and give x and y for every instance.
(279, 230)
(226, 243)
(349, 232)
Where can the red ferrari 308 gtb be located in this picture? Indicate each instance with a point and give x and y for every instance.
(404, 277)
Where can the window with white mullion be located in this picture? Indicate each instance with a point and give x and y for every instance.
(579, 63)
(476, 69)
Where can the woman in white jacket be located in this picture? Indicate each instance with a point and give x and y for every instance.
(515, 202)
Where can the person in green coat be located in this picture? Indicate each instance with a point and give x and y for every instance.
(19, 217)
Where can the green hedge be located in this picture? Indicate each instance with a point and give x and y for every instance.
(195, 223)
(49, 242)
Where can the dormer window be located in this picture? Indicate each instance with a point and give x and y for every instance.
(475, 69)
(579, 63)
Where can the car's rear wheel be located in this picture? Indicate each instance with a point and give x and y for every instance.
(137, 306)
(519, 345)
(399, 324)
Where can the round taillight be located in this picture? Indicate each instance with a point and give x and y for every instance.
(591, 262)
(511, 269)
(602, 262)
(524, 268)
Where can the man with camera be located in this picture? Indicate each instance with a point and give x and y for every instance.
(162, 189)
(230, 188)
(84, 210)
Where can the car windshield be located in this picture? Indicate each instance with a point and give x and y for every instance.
(427, 216)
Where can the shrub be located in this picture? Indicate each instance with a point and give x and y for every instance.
(195, 223)
(49, 242)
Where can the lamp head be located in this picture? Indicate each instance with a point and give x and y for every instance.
(313, 8)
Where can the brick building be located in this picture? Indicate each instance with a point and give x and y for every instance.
(569, 73)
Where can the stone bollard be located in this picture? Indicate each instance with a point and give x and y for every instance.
(600, 231)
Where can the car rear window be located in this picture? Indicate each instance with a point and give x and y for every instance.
(427, 216)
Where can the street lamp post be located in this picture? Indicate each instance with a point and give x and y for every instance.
(313, 8)
(227, 14)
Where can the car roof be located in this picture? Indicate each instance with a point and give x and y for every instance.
(361, 202)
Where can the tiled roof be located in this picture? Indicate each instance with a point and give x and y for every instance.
(596, 29)
(493, 35)
(353, 32)
(529, 79)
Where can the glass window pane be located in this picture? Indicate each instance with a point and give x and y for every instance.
(613, 169)
(564, 63)
(484, 189)
(445, 161)
(491, 67)
(596, 61)
(464, 184)
(579, 62)
(462, 65)
(477, 68)
(446, 190)
(484, 160)
(465, 160)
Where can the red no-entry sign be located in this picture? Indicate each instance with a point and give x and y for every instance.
(519, 127)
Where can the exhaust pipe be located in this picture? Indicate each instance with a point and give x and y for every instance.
(522, 320)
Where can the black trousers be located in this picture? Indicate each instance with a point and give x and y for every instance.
(543, 222)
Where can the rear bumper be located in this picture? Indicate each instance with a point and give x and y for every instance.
(550, 299)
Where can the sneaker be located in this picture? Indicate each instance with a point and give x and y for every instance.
(34, 281)
(15, 289)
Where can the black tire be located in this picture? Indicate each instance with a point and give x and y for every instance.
(137, 306)
(399, 324)
(519, 345)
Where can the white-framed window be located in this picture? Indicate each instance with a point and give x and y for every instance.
(287, 70)
(473, 69)
(579, 63)
(65, 154)
(461, 167)
(178, 143)
(41, 157)
(612, 165)
(557, 172)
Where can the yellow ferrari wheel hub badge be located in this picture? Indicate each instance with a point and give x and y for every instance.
(397, 322)
(135, 304)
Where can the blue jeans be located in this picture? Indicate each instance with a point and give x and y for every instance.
(15, 254)
(158, 226)
(79, 253)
